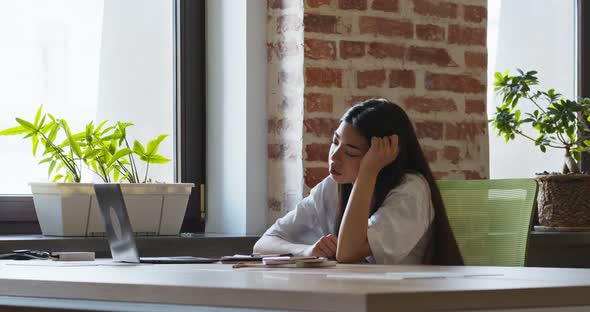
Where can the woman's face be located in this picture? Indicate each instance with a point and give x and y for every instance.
(347, 149)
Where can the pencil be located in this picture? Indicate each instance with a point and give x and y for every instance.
(245, 264)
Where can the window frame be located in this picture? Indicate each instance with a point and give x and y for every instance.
(191, 87)
(584, 64)
(17, 213)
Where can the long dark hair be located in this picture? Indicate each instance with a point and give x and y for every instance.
(379, 118)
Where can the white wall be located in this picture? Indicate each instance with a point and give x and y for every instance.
(236, 116)
(529, 34)
(256, 118)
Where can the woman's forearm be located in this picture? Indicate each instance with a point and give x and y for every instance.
(275, 245)
(352, 238)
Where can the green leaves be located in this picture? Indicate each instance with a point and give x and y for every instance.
(559, 122)
(45, 134)
(156, 159)
(103, 149)
(513, 88)
(27, 125)
(149, 154)
(92, 153)
(152, 146)
(14, 131)
(118, 155)
(51, 167)
(138, 148)
(75, 147)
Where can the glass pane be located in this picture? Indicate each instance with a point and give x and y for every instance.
(530, 35)
(85, 61)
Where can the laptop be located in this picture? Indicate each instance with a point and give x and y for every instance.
(119, 232)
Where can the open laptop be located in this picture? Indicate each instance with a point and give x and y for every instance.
(119, 231)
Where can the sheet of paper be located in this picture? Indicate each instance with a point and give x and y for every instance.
(414, 275)
(406, 275)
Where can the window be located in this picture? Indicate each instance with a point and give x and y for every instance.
(102, 59)
(520, 36)
(584, 62)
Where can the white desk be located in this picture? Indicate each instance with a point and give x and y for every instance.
(219, 285)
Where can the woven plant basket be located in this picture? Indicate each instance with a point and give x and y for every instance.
(564, 200)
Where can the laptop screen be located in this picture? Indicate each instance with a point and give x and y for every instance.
(116, 222)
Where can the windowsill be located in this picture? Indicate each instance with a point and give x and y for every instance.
(546, 249)
(561, 238)
(200, 244)
(559, 249)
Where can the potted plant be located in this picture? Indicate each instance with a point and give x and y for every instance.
(68, 208)
(564, 198)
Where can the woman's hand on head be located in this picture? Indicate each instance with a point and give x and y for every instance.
(325, 247)
(382, 152)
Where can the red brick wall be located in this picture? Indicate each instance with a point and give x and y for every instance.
(428, 56)
(323, 55)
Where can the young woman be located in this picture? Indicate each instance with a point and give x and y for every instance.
(380, 203)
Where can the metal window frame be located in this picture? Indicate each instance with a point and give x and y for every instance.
(192, 117)
(584, 62)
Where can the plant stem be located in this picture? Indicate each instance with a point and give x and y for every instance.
(124, 171)
(561, 139)
(71, 166)
(133, 167)
(570, 164)
(64, 159)
(146, 171)
(130, 177)
(528, 137)
(537, 105)
(105, 176)
(118, 162)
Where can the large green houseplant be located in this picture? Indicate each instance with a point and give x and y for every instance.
(69, 208)
(564, 198)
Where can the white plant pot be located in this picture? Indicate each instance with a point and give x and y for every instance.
(154, 209)
(70, 209)
(62, 208)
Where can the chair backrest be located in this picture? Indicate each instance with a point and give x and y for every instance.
(491, 219)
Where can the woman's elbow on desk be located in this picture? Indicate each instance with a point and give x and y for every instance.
(268, 244)
(347, 258)
(352, 255)
(261, 246)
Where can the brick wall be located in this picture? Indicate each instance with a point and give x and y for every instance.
(428, 56)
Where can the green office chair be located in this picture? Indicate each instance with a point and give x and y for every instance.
(491, 219)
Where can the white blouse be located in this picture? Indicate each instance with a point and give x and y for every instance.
(399, 232)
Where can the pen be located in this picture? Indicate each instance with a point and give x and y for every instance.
(245, 264)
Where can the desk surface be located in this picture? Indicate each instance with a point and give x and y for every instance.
(299, 289)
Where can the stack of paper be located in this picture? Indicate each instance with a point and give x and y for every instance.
(289, 261)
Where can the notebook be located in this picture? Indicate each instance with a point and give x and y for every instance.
(119, 231)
